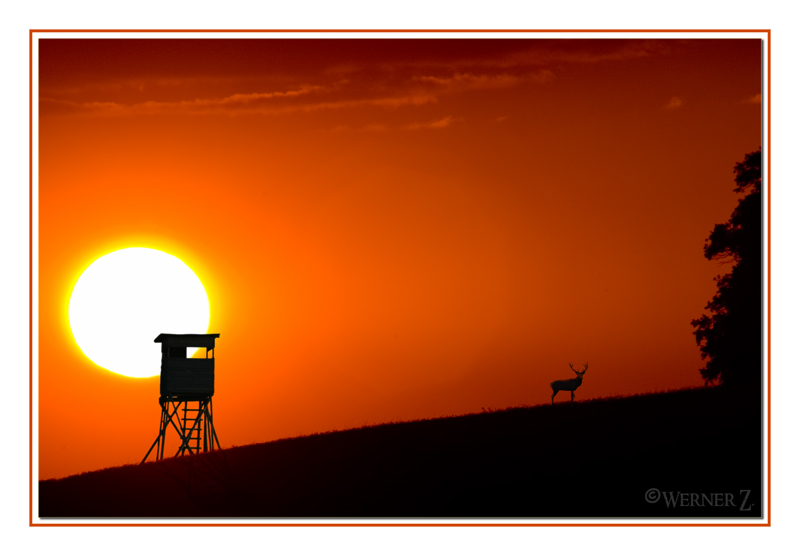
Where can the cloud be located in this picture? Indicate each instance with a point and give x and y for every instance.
(381, 102)
(458, 82)
(441, 123)
(244, 98)
(628, 50)
(152, 85)
(390, 86)
(674, 103)
(499, 119)
(198, 105)
(421, 79)
(755, 99)
(243, 103)
(559, 51)
(447, 121)
(369, 128)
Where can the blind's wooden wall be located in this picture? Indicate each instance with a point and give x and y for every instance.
(187, 376)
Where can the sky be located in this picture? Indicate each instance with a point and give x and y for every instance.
(387, 229)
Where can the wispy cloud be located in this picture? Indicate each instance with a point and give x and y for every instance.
(244, 104)
(674, 103)
(442, 123)
(469, 81)
(398, 84)
(464, 81)
(244, 98)
(414, 81)
(626, 50)
(198, 105)
(557, 52)
(755, 99)
(369, 128)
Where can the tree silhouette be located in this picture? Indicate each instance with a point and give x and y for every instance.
(730, 337)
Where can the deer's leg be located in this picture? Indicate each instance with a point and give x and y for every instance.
(573, 396)
(553, 397)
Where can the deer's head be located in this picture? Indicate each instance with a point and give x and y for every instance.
(580, 373)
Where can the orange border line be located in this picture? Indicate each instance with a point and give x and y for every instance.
(769, 275)
(30, 274)
(399, 524)
(400, 31)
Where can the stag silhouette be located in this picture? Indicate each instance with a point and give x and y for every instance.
(570, 384)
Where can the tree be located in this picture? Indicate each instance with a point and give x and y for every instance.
(730, 337)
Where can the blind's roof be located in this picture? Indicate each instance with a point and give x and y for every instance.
(188, 340)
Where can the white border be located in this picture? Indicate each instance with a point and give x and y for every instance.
(35, 282)
(405, 35)
(364, 35)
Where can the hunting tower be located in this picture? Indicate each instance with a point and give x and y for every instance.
(187, 386)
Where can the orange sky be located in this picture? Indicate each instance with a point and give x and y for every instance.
(387, 229)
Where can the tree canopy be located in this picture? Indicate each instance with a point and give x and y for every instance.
(730, 335)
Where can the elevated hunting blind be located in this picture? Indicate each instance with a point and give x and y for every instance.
(182, 376)
(187, 386)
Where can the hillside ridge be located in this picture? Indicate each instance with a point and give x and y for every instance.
(509, 462)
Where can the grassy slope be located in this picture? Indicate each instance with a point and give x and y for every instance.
(592, 459)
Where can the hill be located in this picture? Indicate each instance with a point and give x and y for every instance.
(700, 449)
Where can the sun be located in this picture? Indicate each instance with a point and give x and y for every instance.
(127, 298)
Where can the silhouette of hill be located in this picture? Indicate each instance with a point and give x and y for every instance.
(597, 458)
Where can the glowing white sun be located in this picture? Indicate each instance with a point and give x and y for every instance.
(127, 298)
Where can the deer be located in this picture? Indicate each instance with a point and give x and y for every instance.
(570, 384)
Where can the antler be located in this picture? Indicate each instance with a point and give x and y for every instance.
(573, 370)
(585, 367)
